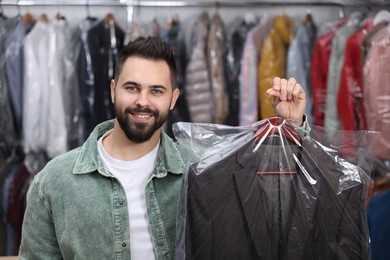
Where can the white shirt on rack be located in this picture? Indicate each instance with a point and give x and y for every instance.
(133, 175)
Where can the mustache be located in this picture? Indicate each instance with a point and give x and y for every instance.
(133, 110)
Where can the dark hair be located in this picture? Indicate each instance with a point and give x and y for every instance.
(152, 48)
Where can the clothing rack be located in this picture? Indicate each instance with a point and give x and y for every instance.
(198, 3)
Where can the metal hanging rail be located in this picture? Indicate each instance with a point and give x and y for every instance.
(199, 3)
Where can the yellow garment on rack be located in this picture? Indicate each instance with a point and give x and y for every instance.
(273, 61)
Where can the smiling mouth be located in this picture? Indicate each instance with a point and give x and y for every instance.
(142, 117)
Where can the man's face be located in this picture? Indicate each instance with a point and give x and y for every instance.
(143, 97)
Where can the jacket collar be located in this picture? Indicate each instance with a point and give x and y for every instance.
(89, 161)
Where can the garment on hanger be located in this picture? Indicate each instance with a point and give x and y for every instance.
(105, 39)
(298, 59)
(87, 78)
(273, 61)
(336, 62)
(235, 46)
(216, 57)
(175, 38)
(36, 97)
(319, 71)
(198, 86)
(350, 104)
(269, 193)
(8, 135)
(13, 47)
(58, 128)
(376, 92)
(251, 57)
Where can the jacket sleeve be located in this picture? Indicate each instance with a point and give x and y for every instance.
(39, 239)
(304, 129)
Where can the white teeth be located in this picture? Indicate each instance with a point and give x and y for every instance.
(143, 116)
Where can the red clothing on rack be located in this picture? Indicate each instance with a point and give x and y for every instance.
(350, 103)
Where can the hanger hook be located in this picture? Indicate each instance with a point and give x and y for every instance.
(217, 4)
(87, 8)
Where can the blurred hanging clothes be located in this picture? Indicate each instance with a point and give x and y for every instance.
(319, 72)
(43, 96)
(135, 32)
(298, 59)
(8, 134)
(105, 39)
(366, 41)
(198, 86)
(72, 87)
(251, 57)
(14, 181)
(235, 46)
(350, 104)
(174, 37)
(87, 78)
(216, 53)
(14, 62)
(37, 91)
(376, 92)
(57, 127)
(15, 190)
(336, 62)
(273, 62)
(154, 28)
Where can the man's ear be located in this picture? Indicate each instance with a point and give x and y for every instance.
(112, 90)
(175, 96)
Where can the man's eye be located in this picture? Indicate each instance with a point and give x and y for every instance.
(157, 91)
(132, 89)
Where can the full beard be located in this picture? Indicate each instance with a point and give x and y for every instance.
(139, 132)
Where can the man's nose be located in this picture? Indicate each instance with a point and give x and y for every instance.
(142, 99)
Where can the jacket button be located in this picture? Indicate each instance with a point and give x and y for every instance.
(121, 202)
(160, 242)
(124, 244)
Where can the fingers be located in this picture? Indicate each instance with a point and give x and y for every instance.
(285, 89)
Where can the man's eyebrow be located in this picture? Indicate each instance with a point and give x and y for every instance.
(157, 87)
(132, 83)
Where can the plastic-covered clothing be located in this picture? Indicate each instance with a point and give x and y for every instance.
(14, 60)
(298, 61)
(87, 79)
(71, 87)
(350, 104)
(319, 73)
(376, 92)
(36, 93)
(233, 68)
(273, 62)
(8, 135)
(251, 56)
(198, 86)
(175, 38)
(269, 193)
(57, 140)
(216, 54)
(335, 67)
(105, 39)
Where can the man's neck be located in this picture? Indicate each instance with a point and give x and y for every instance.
(118, 146)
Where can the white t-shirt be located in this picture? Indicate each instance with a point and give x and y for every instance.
(133, 175)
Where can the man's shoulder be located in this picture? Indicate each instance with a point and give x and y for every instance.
(58, 168)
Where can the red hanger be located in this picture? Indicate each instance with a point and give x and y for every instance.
(276, 126)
